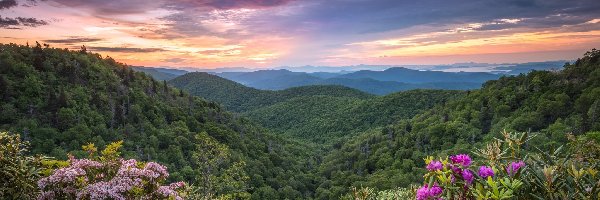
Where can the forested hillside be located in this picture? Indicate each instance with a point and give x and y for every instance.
(60, 100)
(239, 98)
(549, 103)
(324, 119)
(321, 114)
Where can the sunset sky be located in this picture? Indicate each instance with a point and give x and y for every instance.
(270, 33)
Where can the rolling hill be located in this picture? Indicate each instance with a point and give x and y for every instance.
(239, 98)
(320, 113)
(326, 119)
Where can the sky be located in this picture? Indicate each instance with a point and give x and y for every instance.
(270, 33)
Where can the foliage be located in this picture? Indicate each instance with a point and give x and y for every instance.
(569, 172)
(366, 193)
(18, 172)
(217, 174)
(324, 119)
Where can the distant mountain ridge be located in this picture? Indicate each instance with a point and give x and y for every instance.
(374, 82)
(380, 80)
(405, 75)
(160, 73)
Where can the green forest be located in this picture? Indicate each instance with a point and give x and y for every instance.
(65, 111)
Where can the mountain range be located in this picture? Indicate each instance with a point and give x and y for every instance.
(374, 82)
(374, 79)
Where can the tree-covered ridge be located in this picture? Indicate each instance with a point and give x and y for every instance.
(387, 87)
(60, 100)
(325, 119)
(239, 98)
(158, 73)
(549, 103)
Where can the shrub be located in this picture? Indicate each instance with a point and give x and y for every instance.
(18, 173)
(366, 193)
(506, 171)
(107, 176)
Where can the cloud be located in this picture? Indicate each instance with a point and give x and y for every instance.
(232, 4)
(112, 7)
(367, 17)
(18, 22)
(174, 60)
(73, 39)
(221, 52)
(6, 4)
(126, 49)
(119, 7)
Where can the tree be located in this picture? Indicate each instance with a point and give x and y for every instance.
(218, 174)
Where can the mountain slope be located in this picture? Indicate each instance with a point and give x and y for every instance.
(60, 100)
(386, 87)
(324, 119)
(549, 103)
(159, 73)
(240, 98)
(285, 81)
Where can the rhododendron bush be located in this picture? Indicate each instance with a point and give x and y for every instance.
(505, 172)
(107, 176)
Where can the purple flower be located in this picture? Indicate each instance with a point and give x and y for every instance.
(455, 169)
(435, 190)
(468, 176)
(434, 165)
(514, 167)
(485, 171)
(426, 193)
(462, 159)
